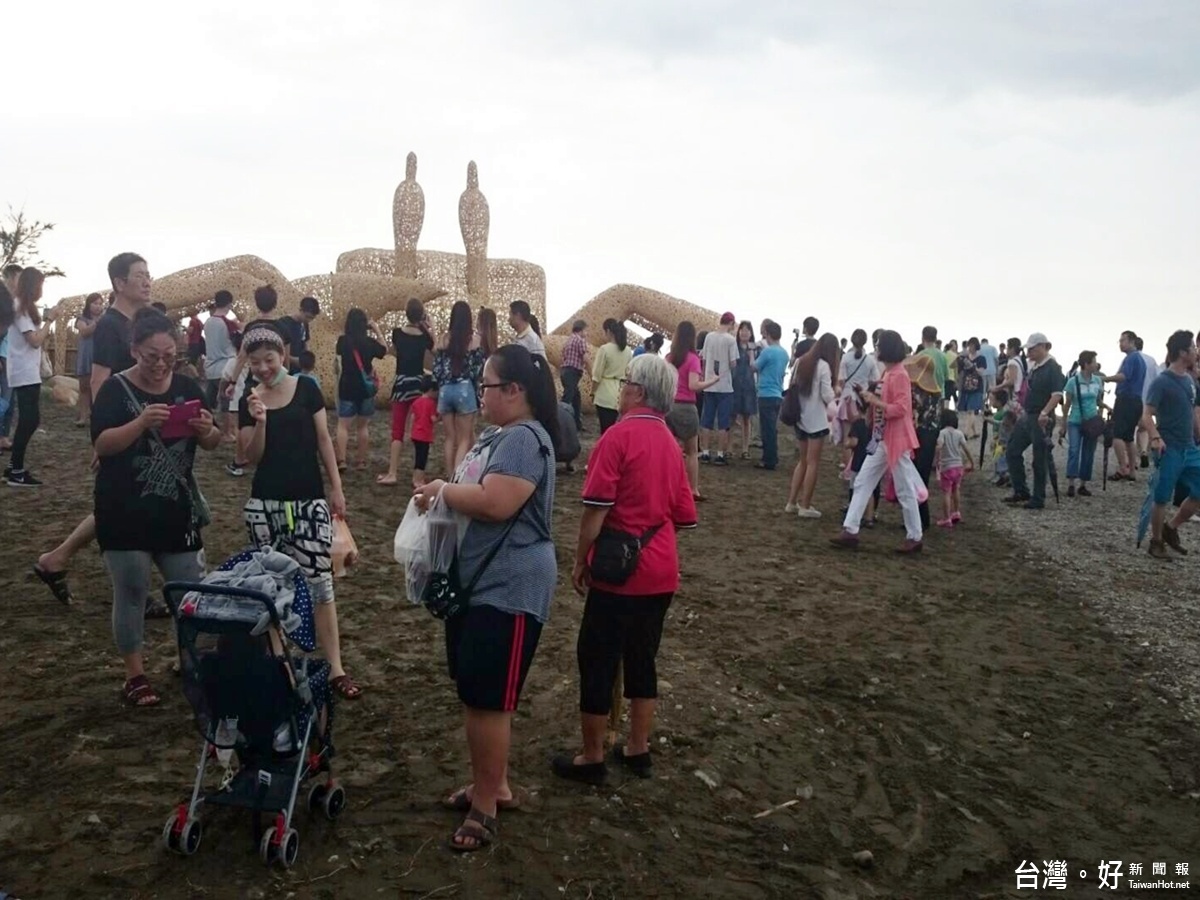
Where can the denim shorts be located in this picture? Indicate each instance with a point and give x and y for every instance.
(458, 399)
(1178, 467)
(717, 411)
(348, 409)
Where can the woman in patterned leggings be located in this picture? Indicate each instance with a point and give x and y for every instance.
(284, 430)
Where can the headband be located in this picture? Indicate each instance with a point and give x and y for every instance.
(263, 336)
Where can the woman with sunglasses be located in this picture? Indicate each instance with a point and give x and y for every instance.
(145, 503)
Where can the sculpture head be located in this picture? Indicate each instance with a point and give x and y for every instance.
(410, 167)
(472, 175)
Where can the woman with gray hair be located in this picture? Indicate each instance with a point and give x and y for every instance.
(636, 496)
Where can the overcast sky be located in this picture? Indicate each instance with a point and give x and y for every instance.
(991, 168)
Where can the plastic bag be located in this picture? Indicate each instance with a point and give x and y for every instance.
(441, 524)
(344, 552)
(410, 536)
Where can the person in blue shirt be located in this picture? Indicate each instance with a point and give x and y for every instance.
(1127, 410)
(771, 365)
(991, 359)
(1170, 420)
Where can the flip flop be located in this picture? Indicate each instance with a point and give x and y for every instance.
(460, 801)
(57, 582)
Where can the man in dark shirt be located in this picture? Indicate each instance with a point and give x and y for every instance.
(810, 337)
(111, 343)
(295, 330)
(1035, 423)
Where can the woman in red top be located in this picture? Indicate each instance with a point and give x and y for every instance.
(636, 484)
(893, 441)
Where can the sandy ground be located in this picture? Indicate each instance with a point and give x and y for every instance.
(954, 714)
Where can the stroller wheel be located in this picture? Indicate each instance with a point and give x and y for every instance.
(266, 846)
(189, 838)
(335, 801)
(316, 796)
(289, 848)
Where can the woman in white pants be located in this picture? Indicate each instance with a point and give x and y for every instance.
(894, 438)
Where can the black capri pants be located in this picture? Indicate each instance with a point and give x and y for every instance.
(617, 628)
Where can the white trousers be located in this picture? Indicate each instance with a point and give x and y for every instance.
(908, 484)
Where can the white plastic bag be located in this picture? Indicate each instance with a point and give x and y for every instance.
(410, 536)
(441, 525)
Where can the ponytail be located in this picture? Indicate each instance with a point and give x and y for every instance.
(531, 371)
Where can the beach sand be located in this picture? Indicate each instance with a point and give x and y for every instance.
(955, 714)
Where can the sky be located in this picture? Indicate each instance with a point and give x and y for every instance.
(988, 168)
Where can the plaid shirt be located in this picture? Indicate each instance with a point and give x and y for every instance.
(574, 352)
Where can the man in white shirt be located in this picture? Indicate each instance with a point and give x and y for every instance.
(218, 346)
(720, 355)
(1153, 370)
(521, 318)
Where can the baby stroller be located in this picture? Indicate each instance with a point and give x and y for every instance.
(251, 697)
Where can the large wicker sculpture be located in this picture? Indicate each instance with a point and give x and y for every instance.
(408, 215)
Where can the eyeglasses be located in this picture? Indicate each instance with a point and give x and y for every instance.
(625, 382)
(495, 384)
(152, 359)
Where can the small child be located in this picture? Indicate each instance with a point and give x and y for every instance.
(424, 415)
(308, 363)
(948, 458)
(857, 445)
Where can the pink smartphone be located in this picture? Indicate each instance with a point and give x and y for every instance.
(177, 425)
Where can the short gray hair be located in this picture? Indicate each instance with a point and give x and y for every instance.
(658, 380)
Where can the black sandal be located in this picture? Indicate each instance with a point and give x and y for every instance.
(481, 836)
(57, 582)
(640, 764)
(594, 774)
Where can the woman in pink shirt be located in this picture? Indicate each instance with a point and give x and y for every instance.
(893, 441)
(684, 417)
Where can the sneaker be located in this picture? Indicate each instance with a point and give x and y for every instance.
(1083, 491)
(1017, 498)
(745, 454)
(1158, 549)
(21, 479)
(791, 509)
(1071, 491)
(807, 512)
(1035, 504)
(845, 541)
(1145, 461)
(1002, 481)
(235, 470)
(909, 547)
(704, 457)
(721, 460)
(1171, 539)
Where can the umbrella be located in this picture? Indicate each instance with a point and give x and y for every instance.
(1108, 442)
(983, 439)
(1051, 465)
(1148, 503)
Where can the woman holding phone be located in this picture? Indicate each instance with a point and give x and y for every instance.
(146, 506)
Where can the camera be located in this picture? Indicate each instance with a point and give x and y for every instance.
(796, 332)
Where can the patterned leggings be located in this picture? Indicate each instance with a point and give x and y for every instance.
(301, 529)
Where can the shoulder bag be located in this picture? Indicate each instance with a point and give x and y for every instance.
(370, 379)
(445, 596)
(201, 515)
(1092, 428)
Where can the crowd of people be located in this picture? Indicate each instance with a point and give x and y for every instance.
(895, 414)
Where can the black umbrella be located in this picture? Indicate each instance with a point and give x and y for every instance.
(1108, 442)
(983, 440)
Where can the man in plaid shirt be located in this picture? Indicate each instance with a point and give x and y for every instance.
(574, 363)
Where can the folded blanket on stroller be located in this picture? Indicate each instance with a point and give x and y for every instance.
(270, 573)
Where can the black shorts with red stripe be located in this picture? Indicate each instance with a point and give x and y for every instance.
(489, 652)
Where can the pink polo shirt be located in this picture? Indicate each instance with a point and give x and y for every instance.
(691, 364)
(636, 472)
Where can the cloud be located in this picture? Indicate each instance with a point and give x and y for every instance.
(1146, 50)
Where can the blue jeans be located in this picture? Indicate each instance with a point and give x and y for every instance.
(348, 409)
(6, 393)
(1081, 453)
(768, 424)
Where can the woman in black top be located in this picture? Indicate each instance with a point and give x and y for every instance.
(358, 384)
(285, 433)
(147, 509)
(411, 343)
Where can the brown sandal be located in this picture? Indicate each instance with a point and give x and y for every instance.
(347, 687)
(478, 828)
(460, 801)
(138, 692)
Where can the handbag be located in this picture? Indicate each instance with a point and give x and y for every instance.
(445, 596)
(1092, 428)
(370, 379)
(789, 410)
(198, 508)
(615, 554)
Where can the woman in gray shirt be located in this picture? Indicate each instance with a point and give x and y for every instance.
(503, 492)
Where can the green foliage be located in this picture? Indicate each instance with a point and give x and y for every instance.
(19, 237)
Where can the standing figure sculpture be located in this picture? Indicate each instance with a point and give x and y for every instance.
(473, 220)
(408, 215)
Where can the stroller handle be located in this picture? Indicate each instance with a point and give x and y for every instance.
(174, 591)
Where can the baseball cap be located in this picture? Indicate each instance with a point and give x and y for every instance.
(728, 318)
(1034, 339)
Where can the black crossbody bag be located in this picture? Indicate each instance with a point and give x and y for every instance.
(445, 597)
